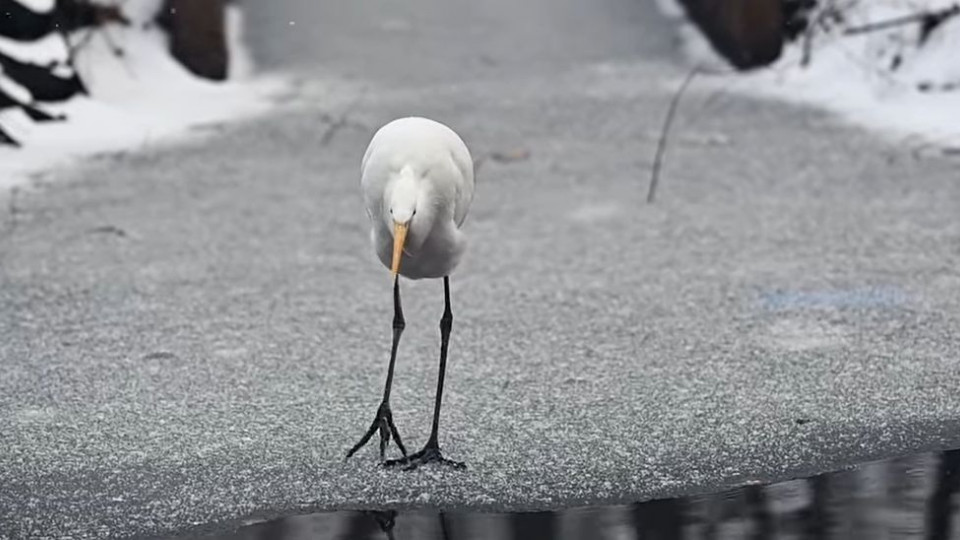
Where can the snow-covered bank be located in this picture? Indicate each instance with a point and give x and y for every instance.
(888, 79)
(143, 97)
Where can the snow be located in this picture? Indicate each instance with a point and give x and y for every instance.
(851, 75)
(14, 89)
(38, 6)
(49, 49)
(144, 98)
(15, 123)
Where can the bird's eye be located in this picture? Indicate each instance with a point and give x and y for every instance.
(391, 211)
(414, 213)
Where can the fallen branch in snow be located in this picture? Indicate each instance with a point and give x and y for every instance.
(82, 14)
(928, 19)
(810, 20)
(35, 65)
(823, 18)
(874, 62)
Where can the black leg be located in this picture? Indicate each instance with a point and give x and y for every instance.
(431, 452)
(383, 421)
(446, 324)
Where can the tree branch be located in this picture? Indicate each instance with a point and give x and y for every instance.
(929, 19)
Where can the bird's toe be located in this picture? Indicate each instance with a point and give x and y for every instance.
(426, 456)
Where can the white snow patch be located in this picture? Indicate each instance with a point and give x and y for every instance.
(851, 75)
(692, 43)
(143, 98)
(240, 65)
(802, 335)
(670, 9)
(50, 49)
(593, 213)
(14, 89)
(38, 6)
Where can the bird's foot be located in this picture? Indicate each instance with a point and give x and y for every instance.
(429, 454)
(382, 422)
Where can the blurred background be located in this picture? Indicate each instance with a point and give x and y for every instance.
(193, 325)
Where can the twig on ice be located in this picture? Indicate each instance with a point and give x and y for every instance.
(662, 143)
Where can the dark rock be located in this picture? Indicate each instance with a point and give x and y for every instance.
(748, 33)
(197, 35)
(43, 83)
(18, 22)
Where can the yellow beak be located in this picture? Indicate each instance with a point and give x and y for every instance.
(399, 237)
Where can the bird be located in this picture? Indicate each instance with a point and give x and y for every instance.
(417, 181)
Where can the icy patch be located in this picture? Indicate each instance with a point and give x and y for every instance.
(142, 98)
(593, 213)
(796, 335)
(854, 75)
(859, 298)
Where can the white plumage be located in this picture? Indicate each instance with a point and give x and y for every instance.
(417, 182)
(417, 173)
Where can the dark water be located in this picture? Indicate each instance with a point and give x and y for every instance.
(913, 497)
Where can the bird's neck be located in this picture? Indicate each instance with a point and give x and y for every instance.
(405, 192)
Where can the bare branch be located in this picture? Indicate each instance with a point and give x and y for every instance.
(662, 143)
(927, 18)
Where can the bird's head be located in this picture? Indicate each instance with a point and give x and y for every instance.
(405, 197)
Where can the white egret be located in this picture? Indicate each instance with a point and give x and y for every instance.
(417, 183)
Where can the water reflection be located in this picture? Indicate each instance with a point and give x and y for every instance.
(904, 499)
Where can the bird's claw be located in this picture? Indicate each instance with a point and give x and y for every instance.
(430, 454)
(382, 422)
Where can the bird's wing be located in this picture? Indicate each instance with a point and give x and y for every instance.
(464, 196)
(372, 179)
(366, 155)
